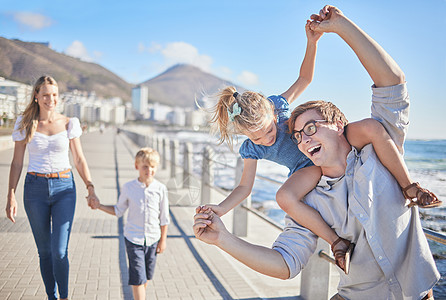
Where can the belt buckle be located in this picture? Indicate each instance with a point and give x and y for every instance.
(47, 175)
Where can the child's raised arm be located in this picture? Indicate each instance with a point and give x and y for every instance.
(241, 192)
(307, 67)
(368, 131)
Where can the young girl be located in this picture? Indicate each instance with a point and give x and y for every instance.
(263, 121)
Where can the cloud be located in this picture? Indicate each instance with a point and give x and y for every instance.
(78, 50)
(184, 53)
(179, 53)
(33, 21)
(248, 78)
(226, 72)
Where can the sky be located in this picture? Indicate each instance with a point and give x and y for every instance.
(256, 44)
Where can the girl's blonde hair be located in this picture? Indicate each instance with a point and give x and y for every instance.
(30, 117)
(148, 155)
(255, 111)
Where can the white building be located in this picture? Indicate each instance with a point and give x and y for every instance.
(14, 96)
(88, 108)
(140, 96)
(91, 113)
(158, 112)
(177, 116)
(196, 118)
(118, 115)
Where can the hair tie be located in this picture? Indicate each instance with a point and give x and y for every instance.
(236, 111)
(235, 95)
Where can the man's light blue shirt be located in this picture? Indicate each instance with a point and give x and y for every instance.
(392, 259)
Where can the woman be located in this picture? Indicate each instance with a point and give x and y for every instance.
(50, 193)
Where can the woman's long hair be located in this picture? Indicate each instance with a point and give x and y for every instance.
(30, 117)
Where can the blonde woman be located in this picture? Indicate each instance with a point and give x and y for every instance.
(49, 194)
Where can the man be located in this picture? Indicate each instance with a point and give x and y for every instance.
(356, 196)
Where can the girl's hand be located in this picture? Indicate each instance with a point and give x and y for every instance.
(11, 208)
(312, 35)
(217, 209)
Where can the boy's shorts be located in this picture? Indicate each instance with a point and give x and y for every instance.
(142, 260)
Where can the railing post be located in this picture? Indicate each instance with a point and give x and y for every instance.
(141, 140)
(187, 164)
(315, 278)
(159, 145)
(165, 146)
(207, 175)
(155, 143)
(240, 215)
(173, 159)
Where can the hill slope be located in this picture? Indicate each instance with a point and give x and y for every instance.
(181, 84)
(27, 61)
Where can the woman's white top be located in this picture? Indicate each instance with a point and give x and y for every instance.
(49, 153)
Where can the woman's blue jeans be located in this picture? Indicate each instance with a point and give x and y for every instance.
(49, 204)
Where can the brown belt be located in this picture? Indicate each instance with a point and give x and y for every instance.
(62, 174)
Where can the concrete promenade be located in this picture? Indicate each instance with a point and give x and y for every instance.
(188, 269)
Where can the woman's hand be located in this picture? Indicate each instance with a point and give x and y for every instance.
(93, 200)
(11, 208)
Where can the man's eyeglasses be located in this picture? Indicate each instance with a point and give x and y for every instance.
(309, 129)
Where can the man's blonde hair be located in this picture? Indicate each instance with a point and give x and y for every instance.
(148, 155)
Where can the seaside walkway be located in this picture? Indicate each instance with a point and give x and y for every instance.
(188, 269)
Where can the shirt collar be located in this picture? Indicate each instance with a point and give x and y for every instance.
(328, 182)
(141, 184)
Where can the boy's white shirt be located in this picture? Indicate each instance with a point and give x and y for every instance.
(148, 209)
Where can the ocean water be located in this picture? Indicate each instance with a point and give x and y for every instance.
(426, 161)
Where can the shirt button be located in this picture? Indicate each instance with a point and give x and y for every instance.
(380, 257)
(390, 280)
(360, 215)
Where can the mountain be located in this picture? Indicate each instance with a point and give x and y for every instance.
(182, 84)
(26, 62)
(179, 85)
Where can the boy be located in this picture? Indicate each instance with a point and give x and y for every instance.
(145, 231)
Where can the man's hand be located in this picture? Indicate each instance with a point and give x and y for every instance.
(327, 20)
(208, 227)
